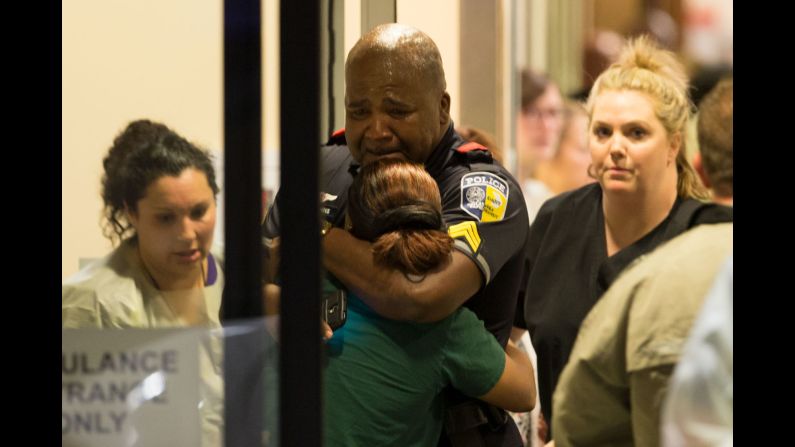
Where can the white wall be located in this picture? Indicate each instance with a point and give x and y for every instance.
(353, 19)
(271, 92)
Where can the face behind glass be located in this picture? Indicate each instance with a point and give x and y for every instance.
(573, 152)
(630, 149)
(174, 222)
(541, 124)
(392, 111)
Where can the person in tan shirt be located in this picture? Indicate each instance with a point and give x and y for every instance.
(611, 390)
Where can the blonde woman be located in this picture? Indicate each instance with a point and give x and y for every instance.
(645, 193)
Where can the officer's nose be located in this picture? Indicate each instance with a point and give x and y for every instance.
(379, 129)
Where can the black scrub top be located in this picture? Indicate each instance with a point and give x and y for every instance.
(570, 270)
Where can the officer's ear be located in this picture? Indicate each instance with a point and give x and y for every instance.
(444, 109)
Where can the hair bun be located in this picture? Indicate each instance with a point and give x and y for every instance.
(419, 216)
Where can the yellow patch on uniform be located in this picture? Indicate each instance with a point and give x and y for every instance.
(468, 231)
(494, 206)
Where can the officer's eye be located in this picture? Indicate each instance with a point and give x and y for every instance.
(399, 113)
(357, 113)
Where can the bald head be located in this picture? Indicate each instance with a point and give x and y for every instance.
(396, 105)
(400, 47)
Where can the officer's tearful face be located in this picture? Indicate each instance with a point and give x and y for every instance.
(392, 111)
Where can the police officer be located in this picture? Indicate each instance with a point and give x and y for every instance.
(397, 107)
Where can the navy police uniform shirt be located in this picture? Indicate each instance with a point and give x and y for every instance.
(336, 167)
(483, 208)
(486, 215)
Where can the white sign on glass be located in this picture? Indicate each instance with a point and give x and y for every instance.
(130, 387)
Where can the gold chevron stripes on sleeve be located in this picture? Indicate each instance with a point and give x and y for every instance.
(468, 231)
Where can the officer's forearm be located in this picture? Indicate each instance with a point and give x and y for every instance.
(388, 291)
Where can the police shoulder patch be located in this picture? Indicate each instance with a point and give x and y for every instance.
(484, 196)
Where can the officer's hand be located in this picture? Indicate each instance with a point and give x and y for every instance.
(270, 264)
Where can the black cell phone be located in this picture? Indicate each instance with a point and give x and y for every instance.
(335, 308)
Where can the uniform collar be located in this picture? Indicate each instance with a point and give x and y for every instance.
(443, 152)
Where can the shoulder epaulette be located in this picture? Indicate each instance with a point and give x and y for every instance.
(474, 152)
(337, 138)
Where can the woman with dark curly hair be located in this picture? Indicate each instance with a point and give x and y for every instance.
(159, 192)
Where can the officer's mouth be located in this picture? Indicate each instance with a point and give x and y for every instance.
(384, 155)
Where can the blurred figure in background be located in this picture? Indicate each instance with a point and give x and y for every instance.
(538, 132)
(480, 136)
(601, 48)
(714, 161)
(568, 168)
(705, 78)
